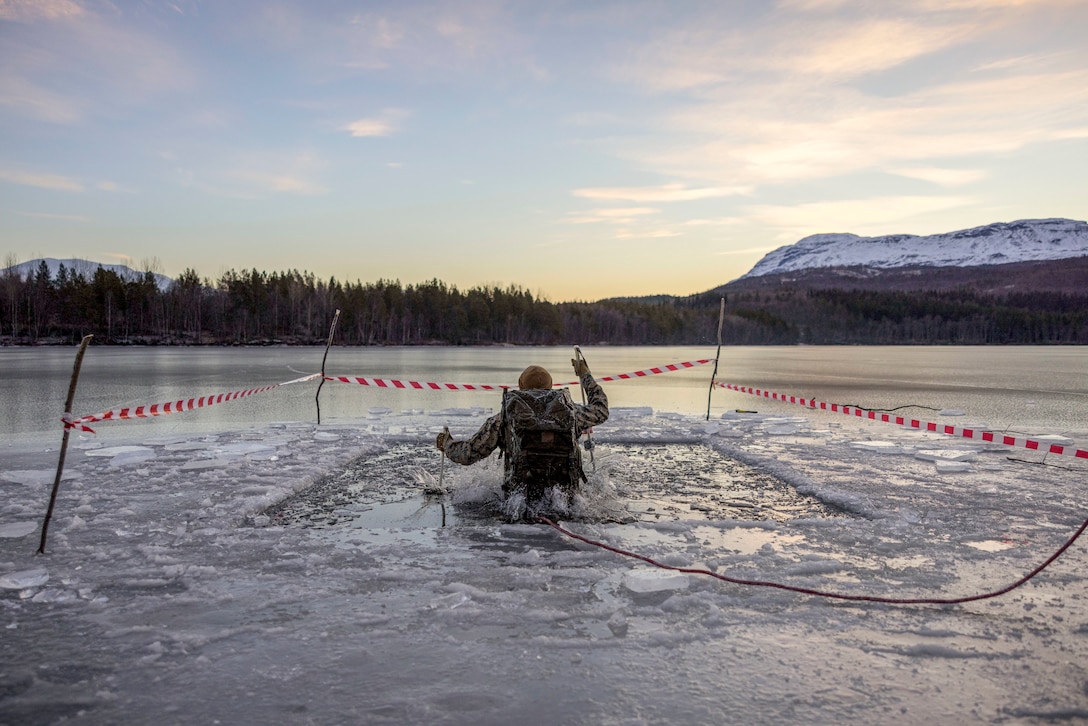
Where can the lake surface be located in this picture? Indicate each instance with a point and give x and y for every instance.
(1037, 390)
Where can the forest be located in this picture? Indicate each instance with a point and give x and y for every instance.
(253, 307)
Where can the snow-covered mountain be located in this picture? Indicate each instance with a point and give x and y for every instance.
(994, 244)
(85, 267)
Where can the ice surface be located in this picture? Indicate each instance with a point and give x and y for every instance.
(174, 591)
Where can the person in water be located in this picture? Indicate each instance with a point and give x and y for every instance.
(536, 432)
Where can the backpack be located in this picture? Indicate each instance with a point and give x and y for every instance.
(540, 442)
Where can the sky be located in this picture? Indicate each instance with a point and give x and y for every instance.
(580, 150)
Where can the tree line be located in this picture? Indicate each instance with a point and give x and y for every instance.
(252, 307)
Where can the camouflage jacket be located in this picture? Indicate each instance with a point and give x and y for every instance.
(486, 440)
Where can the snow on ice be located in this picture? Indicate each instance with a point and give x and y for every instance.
(294, 573)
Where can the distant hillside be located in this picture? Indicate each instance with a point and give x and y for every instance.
(1066, 276)
(1020, 303)
(999, 243)
(84, 267)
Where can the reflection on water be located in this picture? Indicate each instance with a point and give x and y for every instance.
(1032, 389)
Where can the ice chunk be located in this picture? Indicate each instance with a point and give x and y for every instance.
(379, 410)
(186, 446)
(620, 412)
(326, 436)
(250, 449)
(990, 545)
(951, 467)
(203, 464)
(945, 454)
(1054, 439)
(783, 430)
(137, 455)
(879, 447)
(34, 477)
(952, 412)
(18, 529)
(456, 412)
(647, 579)
(24, 578)
(112, 451)
(618, 624)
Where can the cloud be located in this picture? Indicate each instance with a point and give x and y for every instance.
(62, 217)
(757, 136)
(869, 46)
(719, 222)
(55, 182)
(612, 215)
(69, 61)
(278, 182)
(817, 89)
(747, 251)
(33, 101)
(28, 11)
(385, 124)
(942, 177)
(862, 216)
(369, 127)
(663, 193)
(1074, 133)
(707, 56)
(251, 175)
(645, 234)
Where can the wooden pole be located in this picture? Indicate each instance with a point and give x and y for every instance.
(64, 440)
(721, 319)
(328, 344)
(589, 432)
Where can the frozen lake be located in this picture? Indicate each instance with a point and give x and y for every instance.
(1028, 387)
(241, 564)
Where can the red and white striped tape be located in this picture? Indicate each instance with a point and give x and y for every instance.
(966, 433)
(654, 371)
(432, 386)
(161, 409)
(416, 385)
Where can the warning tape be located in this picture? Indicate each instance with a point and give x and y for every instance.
(963, 432)
(653, 371)
(432, 386)
(161, 409)
(418, 385)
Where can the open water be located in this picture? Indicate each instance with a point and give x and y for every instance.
(1025, 389)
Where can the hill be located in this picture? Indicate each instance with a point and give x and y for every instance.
(86, 268)
(1026, 240)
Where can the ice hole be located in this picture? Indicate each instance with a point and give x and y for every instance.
(398, 488)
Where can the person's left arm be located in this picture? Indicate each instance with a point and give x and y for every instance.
(595, 410)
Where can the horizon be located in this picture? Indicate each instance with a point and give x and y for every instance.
(580, 153)
(154, 266)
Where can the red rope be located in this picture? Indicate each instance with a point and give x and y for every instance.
(820, 593)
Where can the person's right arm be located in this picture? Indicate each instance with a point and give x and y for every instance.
(478, 446)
